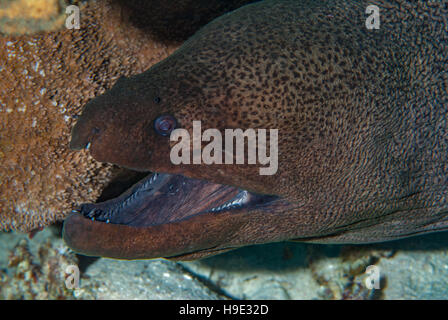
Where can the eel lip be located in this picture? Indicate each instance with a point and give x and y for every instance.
(93, 238)
(160, 213)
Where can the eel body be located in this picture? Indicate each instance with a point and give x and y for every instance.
(362, 120)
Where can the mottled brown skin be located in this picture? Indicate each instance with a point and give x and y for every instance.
(362, 118)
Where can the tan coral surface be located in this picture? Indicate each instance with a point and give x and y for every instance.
(45, 79)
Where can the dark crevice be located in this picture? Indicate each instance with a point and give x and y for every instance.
(123, 180)
(175, 20)
(207, 283)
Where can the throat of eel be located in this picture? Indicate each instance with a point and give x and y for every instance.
(162, 198)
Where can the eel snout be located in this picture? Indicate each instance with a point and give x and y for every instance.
(79, 140)
(85, 130)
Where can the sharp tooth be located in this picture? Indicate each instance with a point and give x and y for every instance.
(148, 183)
(240, 200)
(243, 197)
(153, 178)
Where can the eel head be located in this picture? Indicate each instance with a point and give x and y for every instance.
(184, 211)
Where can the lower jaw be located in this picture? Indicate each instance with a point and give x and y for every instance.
(163, 215)
(198, 234)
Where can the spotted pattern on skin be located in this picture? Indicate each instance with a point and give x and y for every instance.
(362, 124)
(341, 96)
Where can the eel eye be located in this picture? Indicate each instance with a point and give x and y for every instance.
(164, 124)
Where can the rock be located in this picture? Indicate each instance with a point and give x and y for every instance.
(37, 269)
(415, 268)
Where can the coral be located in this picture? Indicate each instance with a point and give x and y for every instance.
(41, 277)
(343, 277)
(29, 16)
(45, 79)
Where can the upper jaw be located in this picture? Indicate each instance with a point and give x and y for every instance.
(77, 143)
(79, 138)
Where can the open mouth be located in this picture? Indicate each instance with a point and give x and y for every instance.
(161, 198)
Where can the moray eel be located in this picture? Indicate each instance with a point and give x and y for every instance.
(362, 127)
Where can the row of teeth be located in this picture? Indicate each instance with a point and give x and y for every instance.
(239, 201)
(98, 214)
(148, 183)
(144, 187)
